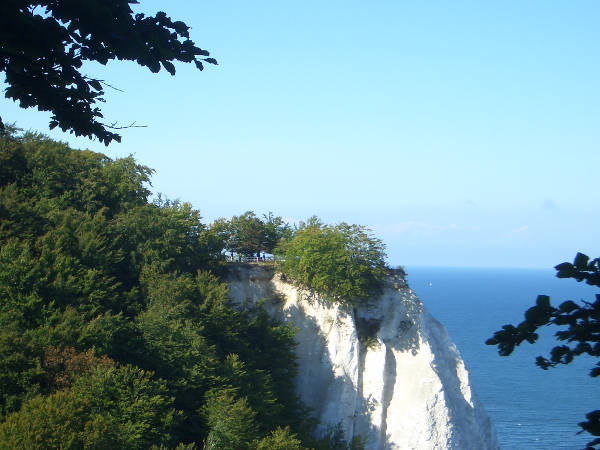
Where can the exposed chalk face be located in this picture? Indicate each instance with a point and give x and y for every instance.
(386, 370)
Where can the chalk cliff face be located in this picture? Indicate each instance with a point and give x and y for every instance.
(386, 370)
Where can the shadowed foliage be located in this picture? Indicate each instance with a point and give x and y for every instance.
(115, 328)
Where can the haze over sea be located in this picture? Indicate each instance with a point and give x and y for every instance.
(531, 408)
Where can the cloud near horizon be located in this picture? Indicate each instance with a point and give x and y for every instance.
(414, 227)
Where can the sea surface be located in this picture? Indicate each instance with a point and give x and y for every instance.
(531, 408)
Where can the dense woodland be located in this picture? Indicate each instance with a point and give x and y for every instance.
(115, 326)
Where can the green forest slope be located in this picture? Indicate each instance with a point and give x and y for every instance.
(115, 329)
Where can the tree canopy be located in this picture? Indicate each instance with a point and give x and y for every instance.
(580, 332)
(247, 234)
(343, 262)
(45, 44)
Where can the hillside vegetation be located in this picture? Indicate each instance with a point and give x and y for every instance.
(115, 327)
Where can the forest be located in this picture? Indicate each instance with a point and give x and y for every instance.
(115, 324)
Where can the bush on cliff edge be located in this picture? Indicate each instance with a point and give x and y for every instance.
(342, 262)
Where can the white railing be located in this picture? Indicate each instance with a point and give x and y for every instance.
(248, 259)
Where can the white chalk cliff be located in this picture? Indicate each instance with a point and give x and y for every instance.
(396, 379)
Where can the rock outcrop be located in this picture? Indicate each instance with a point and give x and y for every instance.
(386, 371)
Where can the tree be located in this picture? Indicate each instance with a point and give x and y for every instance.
(221, 229)
(61, 420)
(582, 332)
(247, 234)
(231, 421)
(280, 439)
(274, 229)
(139, 404)
(106, 407)
(44, 44)
(343, 262)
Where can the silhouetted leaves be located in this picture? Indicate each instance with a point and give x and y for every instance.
(582, 332)
(44, 44)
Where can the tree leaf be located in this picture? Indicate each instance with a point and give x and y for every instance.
(95, 84)
(581, 261)
(568, 306)
(169, 67)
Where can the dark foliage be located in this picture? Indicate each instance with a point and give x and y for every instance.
(115, 330)
(580, 332)
(44, 46)
(248, 235)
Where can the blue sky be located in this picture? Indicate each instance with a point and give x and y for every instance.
(463, 133)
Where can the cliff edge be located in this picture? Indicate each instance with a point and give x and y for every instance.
(385, 370)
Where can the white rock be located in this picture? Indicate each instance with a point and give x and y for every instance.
(408, 388)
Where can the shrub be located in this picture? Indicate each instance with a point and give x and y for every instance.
(343, 262)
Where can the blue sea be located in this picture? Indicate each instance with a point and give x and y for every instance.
(531, 408)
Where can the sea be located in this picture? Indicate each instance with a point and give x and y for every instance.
(531, 408)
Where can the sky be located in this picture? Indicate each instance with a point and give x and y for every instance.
(462, 133)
